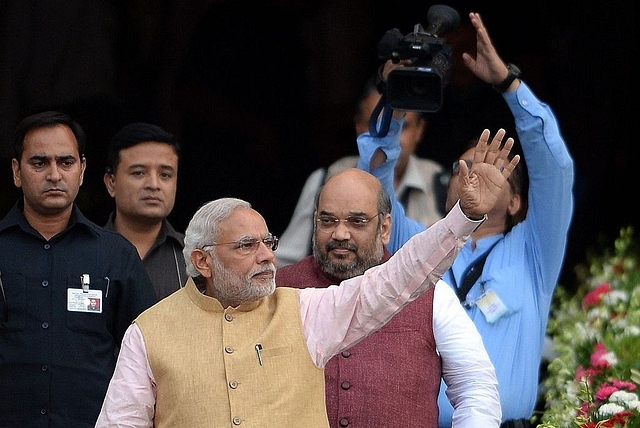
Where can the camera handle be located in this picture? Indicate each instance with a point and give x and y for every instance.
(385, 121)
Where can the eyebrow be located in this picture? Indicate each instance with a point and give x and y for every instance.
(144, 165)
(351, 213)
(57, 158)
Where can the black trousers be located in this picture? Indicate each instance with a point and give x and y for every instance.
(516, 423)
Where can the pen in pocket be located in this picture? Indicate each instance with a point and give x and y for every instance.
(259, 352)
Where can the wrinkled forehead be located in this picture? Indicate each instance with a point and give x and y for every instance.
(242, 222)
(348, 197)
(57, 140)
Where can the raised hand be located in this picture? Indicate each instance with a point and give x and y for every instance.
(487, 64)
(480, 187)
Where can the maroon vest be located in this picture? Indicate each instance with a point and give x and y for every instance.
(391, 378)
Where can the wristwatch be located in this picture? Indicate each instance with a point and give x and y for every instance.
(514, 73)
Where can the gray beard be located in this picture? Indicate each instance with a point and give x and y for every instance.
(237, 289)
(348, 269)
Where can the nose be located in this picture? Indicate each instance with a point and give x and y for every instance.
(153, 181)
(341, 231)
(54, 173)
(265, 253)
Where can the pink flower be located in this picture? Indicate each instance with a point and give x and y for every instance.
(621, 384)
(598, 359)
(605, 391)
(594, 298)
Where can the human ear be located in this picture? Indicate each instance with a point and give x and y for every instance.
(110, 183)
(199, 260)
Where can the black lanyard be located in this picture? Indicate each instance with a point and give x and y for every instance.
(472, 273)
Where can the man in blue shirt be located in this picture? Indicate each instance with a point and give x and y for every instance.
(57, 351)
(526, 234)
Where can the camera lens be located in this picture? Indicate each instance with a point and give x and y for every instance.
(417, 87)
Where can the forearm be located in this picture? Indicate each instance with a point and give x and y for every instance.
(338, 317)
(403, 227)
(551, 177)
(130, 399)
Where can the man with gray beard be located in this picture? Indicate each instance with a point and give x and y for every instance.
(230, 348)
(392, 377)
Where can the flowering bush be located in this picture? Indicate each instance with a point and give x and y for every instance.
(594, 380)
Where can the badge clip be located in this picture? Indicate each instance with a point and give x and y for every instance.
(84, 279)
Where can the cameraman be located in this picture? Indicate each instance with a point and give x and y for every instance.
(524, 238)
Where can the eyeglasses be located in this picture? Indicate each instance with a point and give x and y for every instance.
(250, 245)
(327, 223)
(455, 168)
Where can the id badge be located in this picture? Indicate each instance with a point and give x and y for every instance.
(491, 306)
(84, 301)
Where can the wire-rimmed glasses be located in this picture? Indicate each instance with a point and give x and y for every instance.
(249, 245)
(327, 223)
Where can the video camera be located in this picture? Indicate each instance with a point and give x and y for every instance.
(419, 86)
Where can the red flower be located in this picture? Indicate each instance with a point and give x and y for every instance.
(594, 298)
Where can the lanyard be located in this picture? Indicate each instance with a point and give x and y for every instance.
(472, 273)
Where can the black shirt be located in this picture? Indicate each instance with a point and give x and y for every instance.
(56, 364)
(164, 262)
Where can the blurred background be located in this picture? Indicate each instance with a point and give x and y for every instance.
(260, 96)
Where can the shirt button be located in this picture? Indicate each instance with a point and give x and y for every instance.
(237, 421)
(45, 283)
(233, 384)
(44, 368)
(345, 385)
(228, 317)
(344, 422)
(228, 349)
(43, 411)
(47, 246)
(45, 325)
(346, 354)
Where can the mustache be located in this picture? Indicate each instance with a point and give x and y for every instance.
(58, 186)
(332, 245)
(268, 268)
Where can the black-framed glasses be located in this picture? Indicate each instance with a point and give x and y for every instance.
(250, 245)
(455, 168)
(327, 223)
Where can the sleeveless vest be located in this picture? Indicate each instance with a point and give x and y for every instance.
(209, 373)
(392, 377)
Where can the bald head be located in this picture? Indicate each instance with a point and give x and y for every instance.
(351, 188)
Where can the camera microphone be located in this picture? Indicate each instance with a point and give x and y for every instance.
(442, 19)
(388, 43)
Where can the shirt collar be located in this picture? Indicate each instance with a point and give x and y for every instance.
(15, 218)
(412, 178)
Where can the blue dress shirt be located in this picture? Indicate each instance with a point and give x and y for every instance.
(523, 268)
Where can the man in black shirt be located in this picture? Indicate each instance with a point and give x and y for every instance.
(141, 176)
(56, 355)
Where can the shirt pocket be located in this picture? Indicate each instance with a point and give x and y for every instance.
(90, 322)
(507, 283)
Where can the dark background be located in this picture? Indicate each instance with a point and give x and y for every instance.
(260, 96)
